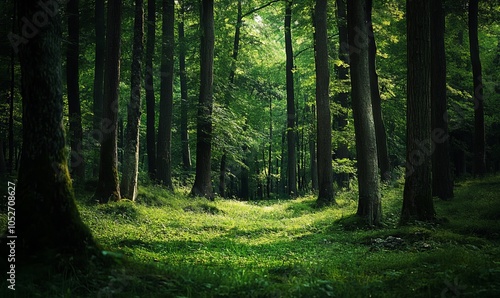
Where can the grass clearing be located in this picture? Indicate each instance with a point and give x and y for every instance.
(170, 245)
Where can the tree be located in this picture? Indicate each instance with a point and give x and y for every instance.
(186, 152)
(150, 94)
(203, 183)
(100, 36)
(108, 186)
(324, 127)
(417, 196)
(479, 133)
(164, 154)
(73, 89)
(50, 221)
(380, 133)
(369, 205)
(290, 104)
(442, 182)
(128, 186)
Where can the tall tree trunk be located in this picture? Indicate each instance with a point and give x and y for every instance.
(164, 157)
(128, 186)
(10, 136)
(442, 182)
(324, 126)
(186, 152)
(290, 104)
(269, 182)
(369, 205)
(384, 163)
(479, 134)
(236, 42)
(108, 186)
(417, 196)
(100, 28)
(203, 182)
(312, 152)
(50, 222)
(150, 93)
(77, 165)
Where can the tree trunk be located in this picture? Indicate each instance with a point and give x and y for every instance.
(381, 135)
(417, 196)
(108, 186)
(290, 104)
(150, 94)
(186, 152)
(324, 126)
(100, 29)
(164, 157)
(369, 205)
(222, 175)
(3, 167)
(203, 182)
(479, 134)
(77, 165)
(442, 182)
(131, 153)
(50, 222)
(10, 136)
(312, 152)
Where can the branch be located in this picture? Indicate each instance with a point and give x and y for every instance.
(259, 8)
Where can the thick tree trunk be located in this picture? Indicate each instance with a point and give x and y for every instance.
(128, 186)
(384, 163)
(186, 152)
(324, 126)
(164, 157)
(290, 105)
(108, 186)
(77, 165)
(150, 93)
(369, 205)
(203, 182)
(442, 182)
(50, 222)
(479, 134)
(417, 196)
(100, 29)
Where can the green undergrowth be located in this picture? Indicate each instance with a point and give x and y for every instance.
(171, 245)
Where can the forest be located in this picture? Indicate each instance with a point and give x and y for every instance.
(250, 148)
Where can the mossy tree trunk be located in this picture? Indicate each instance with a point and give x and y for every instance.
(131, 153)
(369, 205)
(48, 219)
(150, 94)
(108, 186)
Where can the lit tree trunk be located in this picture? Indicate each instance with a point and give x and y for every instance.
(186, 152)
(382, 152)
(108, 186)
(73, 88)
(164, 157)
(150, 94)
(369, 205)
(128, 186)
(324, 126)
(442, 182)
(290, 104)
(100, 29)
(50, 222)
(479, 134)
(417, 196)
(203, 182)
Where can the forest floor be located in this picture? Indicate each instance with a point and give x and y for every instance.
(170, 245)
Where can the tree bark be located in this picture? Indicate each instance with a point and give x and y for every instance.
(417, 196)
(150, 94)
(442, 182)
(369, 205)
(186, 152)
(164, 150)
(108, 186)
(10, 136)
(77, 165)
(100, 28)
(50, 222)
(131, 153)
(384, 163)
(203, 182)
(290, 104)
(479, 133)
(324, 126)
